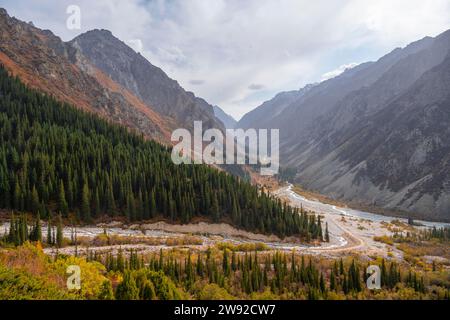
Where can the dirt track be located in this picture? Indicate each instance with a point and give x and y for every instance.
(347, 234)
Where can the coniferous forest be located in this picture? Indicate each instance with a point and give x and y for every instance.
(58, 160)
(218, 274)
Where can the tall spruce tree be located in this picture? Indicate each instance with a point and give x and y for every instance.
(59, 232)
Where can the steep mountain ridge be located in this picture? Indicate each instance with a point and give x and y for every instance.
(146, 81)
(371, 98)
(403, 161)
(44, 61)
(321, 98)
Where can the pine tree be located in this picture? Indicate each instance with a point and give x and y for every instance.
(59, 233)
(120, 263)
(153, 205)
(62, 203)
(37, 232)
(322, 283)
(319, 227)
(225, 263)
(233, 262)
(17, 196)
(147, 290)
(106, 291)
(34, 201)
(127, 289)
(97, 205)
(85, 203)
(49, 232)
(12, 231)
(199, 266)
(332, 281)
(215, 208)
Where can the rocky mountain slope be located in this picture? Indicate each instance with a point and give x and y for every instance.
(100, 73)
(377, 134)
(146, 81)
(44, 61)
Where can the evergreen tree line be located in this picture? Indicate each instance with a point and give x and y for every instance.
(20, 231)
(441, 234)
(253, 272)
(56, 159)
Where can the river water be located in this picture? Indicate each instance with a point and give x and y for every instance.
(318, 206)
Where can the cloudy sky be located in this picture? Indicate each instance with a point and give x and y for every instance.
(237, 54)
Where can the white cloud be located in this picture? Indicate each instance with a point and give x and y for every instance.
(136, 44)
(233, 44)
(338, 71)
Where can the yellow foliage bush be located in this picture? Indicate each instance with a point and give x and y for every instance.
(92, 274)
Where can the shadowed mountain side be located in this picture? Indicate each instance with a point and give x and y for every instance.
(377, 134)
(144, 80)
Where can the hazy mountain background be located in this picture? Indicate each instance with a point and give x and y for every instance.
(228, 121)
(378, 134)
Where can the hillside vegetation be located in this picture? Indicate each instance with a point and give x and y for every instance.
(55, 159)
(217, 273)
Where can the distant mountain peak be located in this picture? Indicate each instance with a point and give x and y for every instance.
(105, 32)
(148, 82)
(228, 121)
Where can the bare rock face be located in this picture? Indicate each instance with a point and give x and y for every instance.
(379, 134)
(146, 81)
